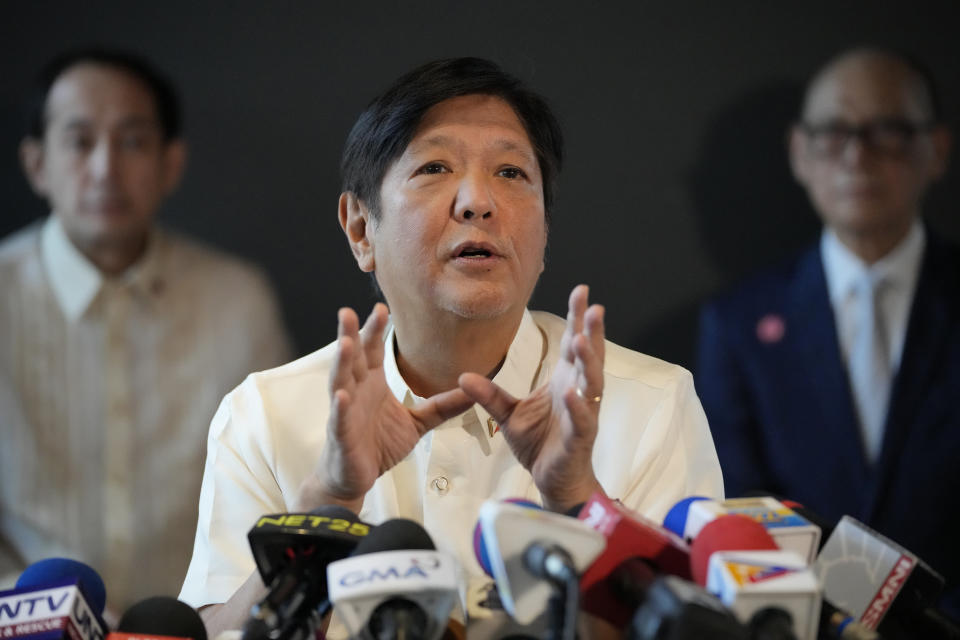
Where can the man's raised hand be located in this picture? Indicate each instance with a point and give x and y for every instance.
(369, 430)
(552, 431)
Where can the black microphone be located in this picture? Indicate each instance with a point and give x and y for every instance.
(771, 623)
(160, 616)
(677, 609)
(292, 551)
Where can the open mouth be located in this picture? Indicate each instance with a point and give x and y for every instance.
(474, 253)
(475, 250)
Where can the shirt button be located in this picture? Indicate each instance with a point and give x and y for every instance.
(441, 484)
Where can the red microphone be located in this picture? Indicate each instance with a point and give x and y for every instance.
(726, 533)
(637, 548)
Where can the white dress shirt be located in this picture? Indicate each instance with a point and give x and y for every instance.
(653, 448)
(899, 269)
(106, 389)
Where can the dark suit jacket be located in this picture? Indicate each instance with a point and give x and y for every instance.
(778, 399)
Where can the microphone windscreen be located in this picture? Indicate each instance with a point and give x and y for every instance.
(480, 547)
(44, 572)
(398, 534)
(163, 616)
(726, 533)
(676, 518)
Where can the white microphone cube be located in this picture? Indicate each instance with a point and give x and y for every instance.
(748, 581)
(790, 530)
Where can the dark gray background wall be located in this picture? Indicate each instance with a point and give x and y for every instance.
(675, 114)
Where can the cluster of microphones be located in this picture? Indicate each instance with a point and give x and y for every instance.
(755, 568)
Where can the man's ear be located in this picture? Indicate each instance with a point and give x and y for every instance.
(798, 153)
(174, 162)
(357, 226)
(31, 158)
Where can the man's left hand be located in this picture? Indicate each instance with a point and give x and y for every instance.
(551, 432)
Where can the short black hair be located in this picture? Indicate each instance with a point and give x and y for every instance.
(385, 128)
(164, 94)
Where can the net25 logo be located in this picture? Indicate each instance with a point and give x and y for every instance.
(419, 567)
(309, 521)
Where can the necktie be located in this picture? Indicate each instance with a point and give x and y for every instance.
(870, 365)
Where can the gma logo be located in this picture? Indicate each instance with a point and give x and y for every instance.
(415, 569)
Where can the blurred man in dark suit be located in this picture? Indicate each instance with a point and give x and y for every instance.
(834, 379)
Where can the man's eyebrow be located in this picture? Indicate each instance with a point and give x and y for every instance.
(450, 142)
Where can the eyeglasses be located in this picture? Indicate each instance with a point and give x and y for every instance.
(889, 136)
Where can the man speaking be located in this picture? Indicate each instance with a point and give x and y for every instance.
(458, 394)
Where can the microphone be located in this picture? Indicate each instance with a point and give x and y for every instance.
(880, 584)
(395, 585)
(54, 598)
(636, 548)
(825, 526)
(292, 551)
(788, 528)
(530, 552)
(479, 544)
(774, 592)
(53, 569)
(726, 533)
(159, 617)
(676, 518)
(677, 609)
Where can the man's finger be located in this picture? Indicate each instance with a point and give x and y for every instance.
(348, 326)
(371, 338)
(576, 305)
(589, 366)
(341, 377)
(595, 330)
(437, 409)
(347, 322)
(339, 403)
(488, 395)
(582, 415)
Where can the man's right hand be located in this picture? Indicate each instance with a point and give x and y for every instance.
(369, 430)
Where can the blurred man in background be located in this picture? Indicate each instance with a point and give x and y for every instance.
(117, 338)
(834, 379)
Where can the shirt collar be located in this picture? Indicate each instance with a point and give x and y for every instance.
(76, 281)
(517, 375)
(844, 269)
